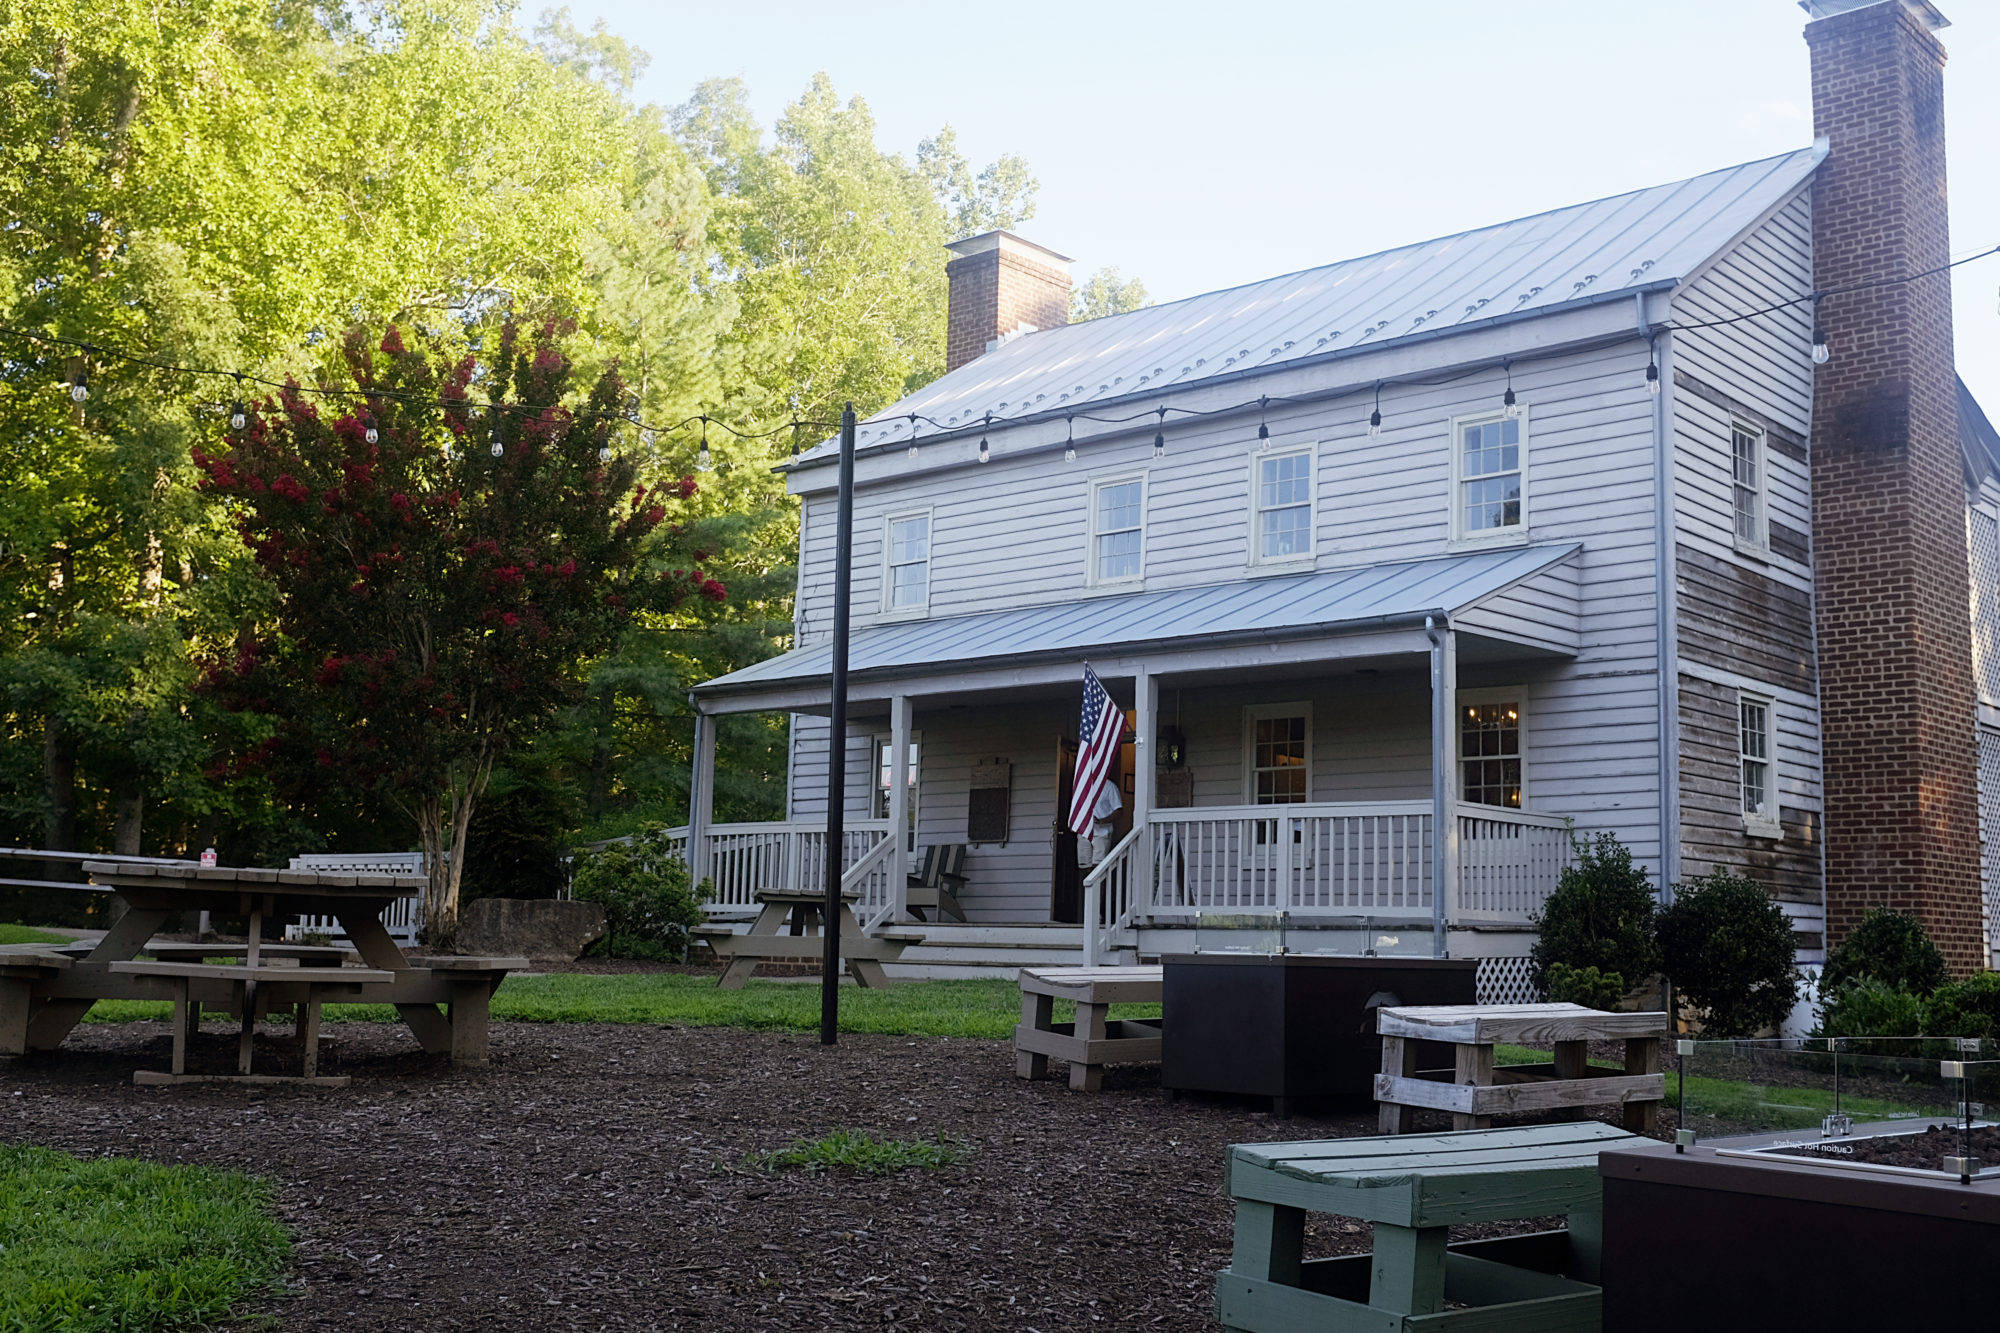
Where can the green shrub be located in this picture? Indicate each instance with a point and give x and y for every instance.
(1585, 986)
(1728, 950)
(1870, 1008)
(1890, 947)
(1968, 1008)
(649, 903)
(1600, 915)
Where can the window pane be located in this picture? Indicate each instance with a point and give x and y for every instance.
(1278, 760)
(910, 539)
(1284, 481)
(1489, 748)
(1286, 532)
(906, 585)
(1118, 555)
(1493, 504)
(1118, 507)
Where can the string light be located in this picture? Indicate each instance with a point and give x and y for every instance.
(985, 450)
(496, 448)
(237, 417)
(1653, 378)
(78, 389)
(1069, 449)
(1821, 353)
(913, 435)
(1509, 408)
(604, 453)
(1375, 417)
(1160, 435)
(703, 462)
(371, 435)
(1263, 430)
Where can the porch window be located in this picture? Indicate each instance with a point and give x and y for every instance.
(885, 773)
(1284, 507)
(1760, 808)
(1117, 509)
(1489, 754)
(1489, 476)
(1280, 741)
(1747, 471)
(907, 581)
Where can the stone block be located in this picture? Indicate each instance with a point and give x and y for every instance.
(534, 927)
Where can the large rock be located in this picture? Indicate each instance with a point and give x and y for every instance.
(534, 927)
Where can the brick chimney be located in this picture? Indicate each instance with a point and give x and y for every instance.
(1001, 284)
(1896, 690)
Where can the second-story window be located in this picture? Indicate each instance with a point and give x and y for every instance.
(1491, 499)
(1747, 484)
(1284, 503)
(1117, 532)
(906, 581)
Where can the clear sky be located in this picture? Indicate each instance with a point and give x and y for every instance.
(1197, 146)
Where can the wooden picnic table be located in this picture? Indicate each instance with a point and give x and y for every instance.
(40, 1004)
(1094, 1039)
(787, 931)
(1476, 1091)
(1414, 1189)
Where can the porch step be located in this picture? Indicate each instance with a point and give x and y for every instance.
(952, 949)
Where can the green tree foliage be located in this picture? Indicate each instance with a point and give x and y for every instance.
(1890, 947)
(1585, 986)
(1106, 293)
(1728, 950)
(1600, 915)
(438, 571)
(650, 904)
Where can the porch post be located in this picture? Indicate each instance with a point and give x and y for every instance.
(901, 717)
(1146, 695)
(701, 797)
(1444, 823)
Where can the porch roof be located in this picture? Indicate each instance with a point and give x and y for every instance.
(1268, 609)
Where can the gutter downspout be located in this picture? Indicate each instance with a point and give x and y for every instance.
(1444, 828)
(1666, 621)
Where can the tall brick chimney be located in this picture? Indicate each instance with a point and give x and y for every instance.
(1896, 690)
(1001, 284)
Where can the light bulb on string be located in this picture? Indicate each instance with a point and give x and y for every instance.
(372, 435)
(1821, 353)
(1508, 407)
(703, 460)
(1263, 429)
(985, 450)
(1653, 378)
(1375, 417)
(79, 389)
(604, 453)
(493, 436)
(913, 434)
(1069, 446)
(237, 417)
(1160, 436)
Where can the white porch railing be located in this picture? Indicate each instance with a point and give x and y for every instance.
(743, 858)
(1349, 859)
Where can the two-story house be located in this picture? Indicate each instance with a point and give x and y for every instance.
(1647, 515)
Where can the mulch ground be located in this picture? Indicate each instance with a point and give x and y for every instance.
(594, 1177)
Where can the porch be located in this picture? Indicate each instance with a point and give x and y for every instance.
(1348, 749)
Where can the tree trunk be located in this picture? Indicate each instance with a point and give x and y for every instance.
(598, 794)
(444, 823)
(128, 815)
(59, 786)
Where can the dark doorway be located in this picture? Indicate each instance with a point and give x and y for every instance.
(1066, 879)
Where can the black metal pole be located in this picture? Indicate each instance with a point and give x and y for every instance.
(836, 740)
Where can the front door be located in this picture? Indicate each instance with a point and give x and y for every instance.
(1066, 879)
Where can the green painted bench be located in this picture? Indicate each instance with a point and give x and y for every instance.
(1413, 1188)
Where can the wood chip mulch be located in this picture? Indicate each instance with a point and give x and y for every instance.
(594, 1177)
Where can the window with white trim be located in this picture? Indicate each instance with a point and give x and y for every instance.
(1489, 752)
(1117, 529)
(1760, 798)
(1277, 743)
(1489, 477)
(885, 774)
(1747, 485)
(1283, 501)
(906, 576)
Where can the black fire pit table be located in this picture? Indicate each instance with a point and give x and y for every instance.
(1286, 1025)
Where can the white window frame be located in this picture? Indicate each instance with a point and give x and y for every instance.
(1460, 537)
(1764, 823)
(1097, 486)
(1759, 543)
(1260, 836)
(877, 743)
(1516, 695)
(1310, 452)
(889, 522)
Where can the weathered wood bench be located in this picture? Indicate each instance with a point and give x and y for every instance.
(306, 955)
(1094, 1039)
(472, 981)
(22, 966)
(1477, 1090)
(768, 942)
(309, 986)
(1414, 1189)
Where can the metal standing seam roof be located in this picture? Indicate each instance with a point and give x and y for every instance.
(1587, 253)
(1282, 607)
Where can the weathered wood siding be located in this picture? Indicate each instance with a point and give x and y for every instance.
(1014, 533)
(1744, 616)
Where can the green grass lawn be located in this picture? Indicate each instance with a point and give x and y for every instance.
(128, 1246)
(19, 934)
(975, 1008)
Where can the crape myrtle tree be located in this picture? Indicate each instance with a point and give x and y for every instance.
(444, 549)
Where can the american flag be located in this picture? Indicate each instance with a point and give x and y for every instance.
(1102, 728)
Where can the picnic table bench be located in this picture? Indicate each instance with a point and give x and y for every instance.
(1477, 1091)
(1094, 1039)
(306, 955)
(1414, 1189)
(307, 987)
(767, 940)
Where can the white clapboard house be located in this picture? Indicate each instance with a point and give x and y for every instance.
(1397, 566)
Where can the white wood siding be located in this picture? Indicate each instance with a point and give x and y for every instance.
(1764, 361)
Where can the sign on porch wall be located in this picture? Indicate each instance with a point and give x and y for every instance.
(988, 802)
(1173, 788)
